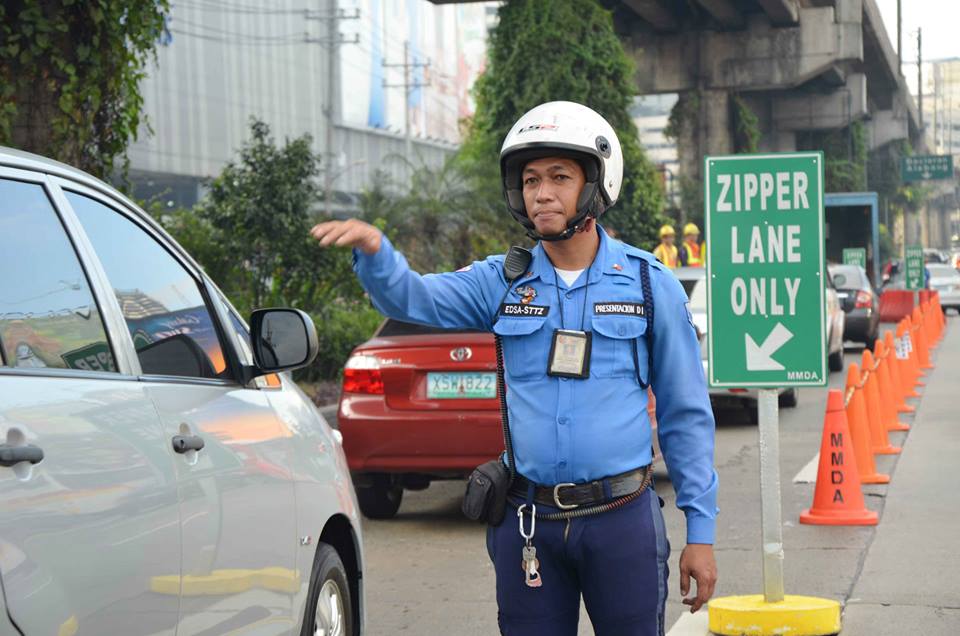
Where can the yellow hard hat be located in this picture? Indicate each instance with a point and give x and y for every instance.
(667, 230)
(690, 228)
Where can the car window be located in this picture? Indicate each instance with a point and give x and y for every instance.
(48, 316)
(697, 293)
(171, 326)
(399, 328)
(846, 277)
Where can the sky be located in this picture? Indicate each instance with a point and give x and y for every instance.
(939, 20)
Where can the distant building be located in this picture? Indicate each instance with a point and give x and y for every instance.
(224, 62)
(651, 114)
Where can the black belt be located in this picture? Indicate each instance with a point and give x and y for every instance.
(568, 496)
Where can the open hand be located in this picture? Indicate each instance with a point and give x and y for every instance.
(697, 561)
(349, 233)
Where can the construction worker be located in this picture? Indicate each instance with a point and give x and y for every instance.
(666, 252)
(692, 252)
(581, 343)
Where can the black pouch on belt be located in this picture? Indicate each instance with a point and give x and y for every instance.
(486, 496)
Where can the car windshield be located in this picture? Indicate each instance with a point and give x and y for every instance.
(399, 328)
(846, 277)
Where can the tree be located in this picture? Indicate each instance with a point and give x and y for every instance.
(258, 216)
(546, 50)
(438, 221)
(69, 76)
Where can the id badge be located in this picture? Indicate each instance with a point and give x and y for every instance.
(570, 354)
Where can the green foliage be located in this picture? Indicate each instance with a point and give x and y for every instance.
(844, 153)
(886, 244)
(341, 326)
(251, 235)
(746, 137)
(438, 221)
(258, 211)
(546, 50)
(69, 76)
(683, 114)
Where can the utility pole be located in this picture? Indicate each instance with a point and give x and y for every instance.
(331, 42)
(408, 85)
(920, 78)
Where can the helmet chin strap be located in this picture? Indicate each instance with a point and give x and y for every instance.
(573, 226)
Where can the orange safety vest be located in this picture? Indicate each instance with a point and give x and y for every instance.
(667, 254)
(693, 254)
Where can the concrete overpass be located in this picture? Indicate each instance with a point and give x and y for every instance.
(799, 65)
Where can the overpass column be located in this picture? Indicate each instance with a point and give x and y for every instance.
(704, 128)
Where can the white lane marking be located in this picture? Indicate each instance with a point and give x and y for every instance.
(808, 474)
(691, 624)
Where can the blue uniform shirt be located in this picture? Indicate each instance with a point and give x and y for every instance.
(577, 430)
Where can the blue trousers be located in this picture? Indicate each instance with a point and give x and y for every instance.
(617, 560)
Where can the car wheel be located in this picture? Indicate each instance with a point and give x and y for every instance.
(381, 500)
(788, 399)
(329, 610)
(835, 361)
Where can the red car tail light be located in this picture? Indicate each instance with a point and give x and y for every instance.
(362, 374)
(864, 300)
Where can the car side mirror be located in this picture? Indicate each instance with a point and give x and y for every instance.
(282, 339)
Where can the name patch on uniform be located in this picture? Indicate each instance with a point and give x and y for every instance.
(622, 309)
(522, 309)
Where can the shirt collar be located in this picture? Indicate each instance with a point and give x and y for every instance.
(611, 260)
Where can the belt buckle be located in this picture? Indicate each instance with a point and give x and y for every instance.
(556, 496)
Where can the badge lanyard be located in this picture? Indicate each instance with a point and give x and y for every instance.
(570, 349)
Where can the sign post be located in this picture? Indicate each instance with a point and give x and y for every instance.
(855, 256)
(766, 321)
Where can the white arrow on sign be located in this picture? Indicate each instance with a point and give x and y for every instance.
(758, 357)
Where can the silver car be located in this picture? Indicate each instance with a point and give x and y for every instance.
(160, 473)
(945, 279)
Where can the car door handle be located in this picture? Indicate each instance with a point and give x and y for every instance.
(10, 455)
(184, 443)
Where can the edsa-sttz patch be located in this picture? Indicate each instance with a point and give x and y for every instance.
(619, 309)
(521, 309)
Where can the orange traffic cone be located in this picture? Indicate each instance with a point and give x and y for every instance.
(856, 410)
(878, 432)
(898, 374)
(888, 408)
(913, 367)
(926, 314)
(837, 500)
(920, 340)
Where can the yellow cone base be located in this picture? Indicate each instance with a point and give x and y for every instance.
(793, 616)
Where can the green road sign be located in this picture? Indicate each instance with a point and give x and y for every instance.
(855, 256)
(765, 272)
(913, 268)
(925, 167)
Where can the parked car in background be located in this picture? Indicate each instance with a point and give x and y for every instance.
(945, 279)
(835, 326)
(419, 404)
(159, 473)
(931, 255)
(694, 281)
(860, 303)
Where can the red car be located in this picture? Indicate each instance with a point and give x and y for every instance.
(418, 404)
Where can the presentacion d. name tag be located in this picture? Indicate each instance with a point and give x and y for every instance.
(619, 309)
(522, 309)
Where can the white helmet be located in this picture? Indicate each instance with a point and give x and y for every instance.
(563, 129)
